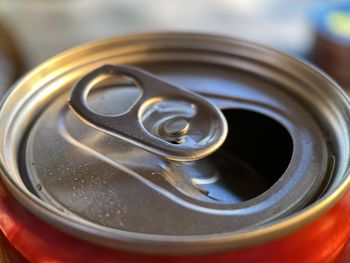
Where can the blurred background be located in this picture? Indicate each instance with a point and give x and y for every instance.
(33, 30)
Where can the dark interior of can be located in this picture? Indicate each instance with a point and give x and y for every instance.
(260, 143)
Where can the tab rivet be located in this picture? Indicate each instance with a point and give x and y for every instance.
(176, 127)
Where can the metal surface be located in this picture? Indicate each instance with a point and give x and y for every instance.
(152, 122)
(66, 160)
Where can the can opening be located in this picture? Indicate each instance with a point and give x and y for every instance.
(259, 143)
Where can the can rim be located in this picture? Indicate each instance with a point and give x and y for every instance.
(175, 245)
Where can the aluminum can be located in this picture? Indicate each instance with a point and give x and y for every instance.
(176, 147)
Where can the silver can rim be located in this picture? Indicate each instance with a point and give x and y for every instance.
(148, 243)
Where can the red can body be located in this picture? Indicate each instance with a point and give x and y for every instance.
(324, 240)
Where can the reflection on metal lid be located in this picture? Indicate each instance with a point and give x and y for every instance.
(275, 161)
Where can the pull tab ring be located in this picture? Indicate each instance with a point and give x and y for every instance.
(166, 120)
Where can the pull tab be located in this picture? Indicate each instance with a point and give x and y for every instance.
(166, 120)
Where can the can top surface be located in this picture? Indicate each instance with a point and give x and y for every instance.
(284, 160)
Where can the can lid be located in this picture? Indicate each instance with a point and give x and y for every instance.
(141, 158)
(111, 169)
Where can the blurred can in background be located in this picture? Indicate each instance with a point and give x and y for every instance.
(189, 148)
(11, 67)
(331, 23)
(11, 62)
